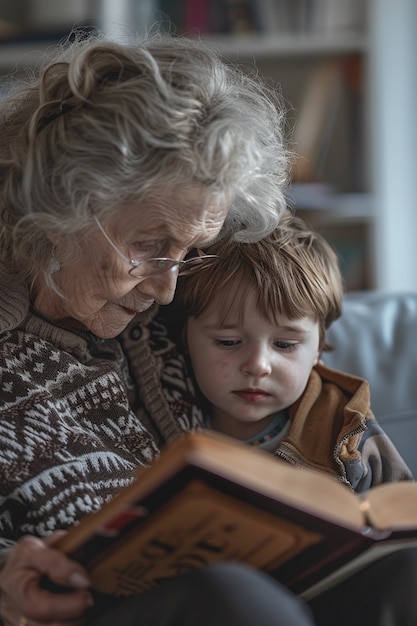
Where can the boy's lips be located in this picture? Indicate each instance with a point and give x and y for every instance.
(251, 395)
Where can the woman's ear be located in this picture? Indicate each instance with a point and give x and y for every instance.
(53, 237)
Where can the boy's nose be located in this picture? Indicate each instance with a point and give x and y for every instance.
(256, 363)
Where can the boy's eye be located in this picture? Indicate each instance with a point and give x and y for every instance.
(285, 345)
(227, 343)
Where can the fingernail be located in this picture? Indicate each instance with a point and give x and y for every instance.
(79, 581)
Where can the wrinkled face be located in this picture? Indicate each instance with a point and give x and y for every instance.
(250, 370)
(99, 293)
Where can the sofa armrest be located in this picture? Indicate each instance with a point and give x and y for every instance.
(376, 338)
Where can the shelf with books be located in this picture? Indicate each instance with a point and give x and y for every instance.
(325, 88)
(333, 207)
(320, 66)
(317, 53)
(265, 17)
(275, 45)
(234, 47)
(345, 220)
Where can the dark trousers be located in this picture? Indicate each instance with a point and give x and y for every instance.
(383, 594)
(226, 594)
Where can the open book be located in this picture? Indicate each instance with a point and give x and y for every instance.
(210, 498)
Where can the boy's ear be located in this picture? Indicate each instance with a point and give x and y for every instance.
(318, 358)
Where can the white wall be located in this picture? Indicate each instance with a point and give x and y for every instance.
(393, 120)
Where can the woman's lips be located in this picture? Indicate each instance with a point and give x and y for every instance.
(142, 307)
(251, 395)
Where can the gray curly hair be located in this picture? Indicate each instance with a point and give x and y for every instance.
(102, 123)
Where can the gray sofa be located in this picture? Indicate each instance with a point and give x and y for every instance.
(376, 338)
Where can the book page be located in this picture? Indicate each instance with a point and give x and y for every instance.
(391, 506)
(196, 527)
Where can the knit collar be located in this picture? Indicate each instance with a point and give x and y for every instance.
(14, 305)
(15, 312)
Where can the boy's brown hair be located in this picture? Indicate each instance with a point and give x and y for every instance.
(294, 271)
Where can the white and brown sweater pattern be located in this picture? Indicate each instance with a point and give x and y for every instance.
(73, 428)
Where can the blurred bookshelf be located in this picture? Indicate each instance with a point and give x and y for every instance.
(320, 53)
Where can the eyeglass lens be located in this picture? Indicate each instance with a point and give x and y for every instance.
(160, 266)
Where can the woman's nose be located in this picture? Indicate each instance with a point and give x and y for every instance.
(160, 287)
(256, 362)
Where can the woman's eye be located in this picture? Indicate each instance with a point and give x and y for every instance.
(141, 250)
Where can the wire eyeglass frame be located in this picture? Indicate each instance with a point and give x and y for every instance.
(160, 265)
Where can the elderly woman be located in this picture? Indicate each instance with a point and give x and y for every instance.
(119, 163)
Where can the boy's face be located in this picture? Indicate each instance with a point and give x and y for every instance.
(250, 370)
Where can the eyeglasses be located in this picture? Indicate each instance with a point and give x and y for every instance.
(152, 267)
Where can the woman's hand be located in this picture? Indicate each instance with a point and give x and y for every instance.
(21, 592)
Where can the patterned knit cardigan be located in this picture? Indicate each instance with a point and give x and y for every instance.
(73, 424)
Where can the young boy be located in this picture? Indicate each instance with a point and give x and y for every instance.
(254, 327)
